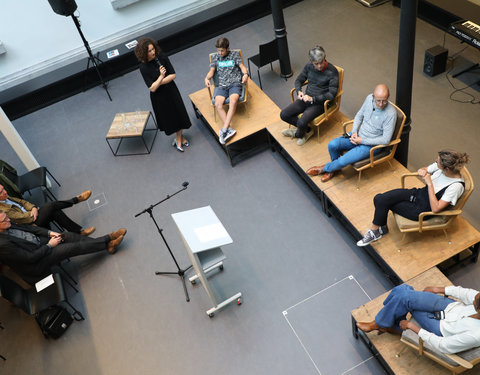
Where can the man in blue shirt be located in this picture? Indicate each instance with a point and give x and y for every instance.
(373, 125)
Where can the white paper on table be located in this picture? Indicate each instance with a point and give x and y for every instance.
(211, 232)
(44, 283)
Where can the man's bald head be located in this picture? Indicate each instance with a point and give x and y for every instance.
(381, 95)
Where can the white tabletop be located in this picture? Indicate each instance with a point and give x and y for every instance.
(201, 229)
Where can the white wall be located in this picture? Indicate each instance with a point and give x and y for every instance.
(39, 41)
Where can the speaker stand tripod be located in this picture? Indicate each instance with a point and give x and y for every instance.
(91, 59)
(180, 272)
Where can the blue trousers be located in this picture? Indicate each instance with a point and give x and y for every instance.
(404, 299)
(354, 153)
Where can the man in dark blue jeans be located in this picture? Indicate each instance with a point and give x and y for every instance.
(322, 85)
(448, 325)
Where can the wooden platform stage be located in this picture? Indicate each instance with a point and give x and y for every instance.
(250, 121)
(401, 260)
(396, 357)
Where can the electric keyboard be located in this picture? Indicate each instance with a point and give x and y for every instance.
(467, 31)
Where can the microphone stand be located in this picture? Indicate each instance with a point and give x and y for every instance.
(180, 272)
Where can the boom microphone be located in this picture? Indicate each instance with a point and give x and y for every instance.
(185, 184)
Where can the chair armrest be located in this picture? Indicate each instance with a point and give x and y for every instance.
(345, 124)
(405, 175)
(325, 107)
(210, 93)
(459, 360)
(292, 91)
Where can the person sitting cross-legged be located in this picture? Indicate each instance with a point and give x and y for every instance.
(32, 251)
(373, 125)
(448, 325)
(444, 185)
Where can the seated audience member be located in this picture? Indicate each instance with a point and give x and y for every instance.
(444, 185)
(232, 75)
(22, 212)
(373, 125)
(322, 85)
(447, 325)
(32, 251)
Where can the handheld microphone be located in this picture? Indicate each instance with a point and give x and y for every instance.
(157, 61)
(185, 184)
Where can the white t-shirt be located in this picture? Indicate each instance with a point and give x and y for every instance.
(439, 181)
(459, 331)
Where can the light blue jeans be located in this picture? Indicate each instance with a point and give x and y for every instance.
(404, 299)
(354, 153)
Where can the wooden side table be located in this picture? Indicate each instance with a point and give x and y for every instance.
(131, 125)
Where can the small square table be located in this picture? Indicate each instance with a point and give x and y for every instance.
(131, 125)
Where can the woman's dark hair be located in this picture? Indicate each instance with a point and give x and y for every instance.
(222, 43)
(453, 160)
(141, 50)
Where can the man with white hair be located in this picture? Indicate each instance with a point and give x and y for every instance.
(322, 85)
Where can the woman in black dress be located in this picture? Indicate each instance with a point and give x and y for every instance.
(167, 103)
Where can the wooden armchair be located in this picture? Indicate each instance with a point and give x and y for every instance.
(330, 106)
(387, 151)
(243, 97)
(434, 221)
(457, 363)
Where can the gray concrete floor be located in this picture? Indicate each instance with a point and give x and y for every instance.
(299, 271)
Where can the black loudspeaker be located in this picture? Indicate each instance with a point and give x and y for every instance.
(63, 7)
(435, 61)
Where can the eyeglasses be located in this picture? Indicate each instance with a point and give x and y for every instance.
(5, 219)
(380, 101)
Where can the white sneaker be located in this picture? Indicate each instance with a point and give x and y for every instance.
(306, 137)
(221, 136)
(229, 134)
(369, 237)
(289, 132)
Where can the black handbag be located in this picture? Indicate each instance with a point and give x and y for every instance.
(54, 321)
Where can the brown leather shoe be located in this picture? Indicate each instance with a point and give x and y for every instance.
(118, 233)
(368, 326)
(113, 244)
(327, 176)
(371, 326)
(315, 171)
(88, 231)
(84, 196)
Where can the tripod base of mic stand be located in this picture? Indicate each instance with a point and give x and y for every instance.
(180, 273)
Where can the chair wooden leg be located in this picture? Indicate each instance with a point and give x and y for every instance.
(358, 181)
(446, 235)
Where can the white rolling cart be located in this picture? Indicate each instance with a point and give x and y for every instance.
(203, 234)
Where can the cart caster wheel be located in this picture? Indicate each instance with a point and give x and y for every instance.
(193, 282)
(239, 301)
(211, 315)
(221, 267)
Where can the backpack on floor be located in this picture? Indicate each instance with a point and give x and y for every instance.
(54, 321)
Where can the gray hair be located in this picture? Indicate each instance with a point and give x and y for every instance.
(317, 54)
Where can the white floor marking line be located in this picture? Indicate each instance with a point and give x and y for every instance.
(285, 313)
(361, 363)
